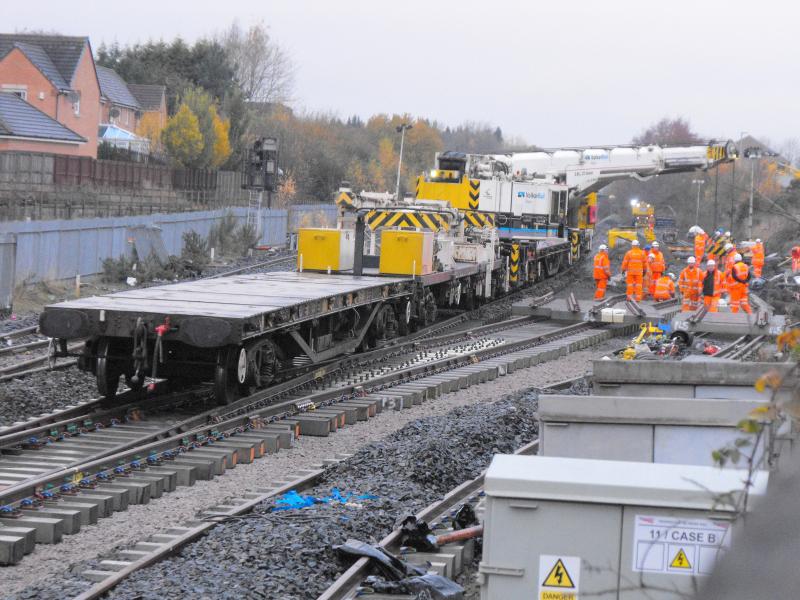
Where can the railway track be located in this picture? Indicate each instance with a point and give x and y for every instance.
(101, 469)
(301, 481)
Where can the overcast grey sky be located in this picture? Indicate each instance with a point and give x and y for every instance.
(560, 72)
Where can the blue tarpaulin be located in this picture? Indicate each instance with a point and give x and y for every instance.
(291, 500)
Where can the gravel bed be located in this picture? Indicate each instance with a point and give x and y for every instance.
(43, 574)
(28, 397)
(20, 321)
(406, 471)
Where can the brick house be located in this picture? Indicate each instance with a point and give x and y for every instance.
(23, 127)
(56, 75)
(153, 102)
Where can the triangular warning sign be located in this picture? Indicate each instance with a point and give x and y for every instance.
(680, 561)
(558, 577)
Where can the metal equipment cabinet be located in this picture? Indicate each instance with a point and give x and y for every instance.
(602, 529)
(639, 428)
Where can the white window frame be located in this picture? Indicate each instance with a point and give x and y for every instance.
(17, 89)
(76, 107)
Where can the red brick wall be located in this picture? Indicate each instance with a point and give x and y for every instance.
(16, 69)
(125, 120)
(29, 146)
(87, 122)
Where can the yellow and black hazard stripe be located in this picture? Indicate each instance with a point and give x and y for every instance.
(478, 219)
(575, 244)
(474, 193)
(428, 221)
(514, 262)
(345, 200)
(420, 179)
(717, 152)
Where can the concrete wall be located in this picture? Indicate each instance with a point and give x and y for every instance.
(61, 249)
(8, 246)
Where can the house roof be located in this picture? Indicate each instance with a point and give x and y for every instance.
(57, 56)
(20, 119)
(114, 88)
(149, 96)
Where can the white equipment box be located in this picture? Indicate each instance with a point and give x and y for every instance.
(663, 430)
(566, 529)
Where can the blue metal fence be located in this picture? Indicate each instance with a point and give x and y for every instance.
(62, 249)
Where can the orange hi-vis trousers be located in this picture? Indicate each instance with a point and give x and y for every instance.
(739, 299)
(634, 289)
(600, 290)
(711, 302)
(690, 301)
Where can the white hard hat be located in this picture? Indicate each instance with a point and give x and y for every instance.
(700, 230)
(711, 263)
(737, 257)
(694, 229)
(671, 276)
(691, 260)
(727, 234)
(655, 244)
(603, 247)
(758, 240)
(635, 243)
(728, 246)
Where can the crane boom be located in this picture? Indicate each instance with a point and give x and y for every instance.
(534, 194)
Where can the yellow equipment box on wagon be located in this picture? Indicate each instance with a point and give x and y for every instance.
(323, 249)
(406, 252)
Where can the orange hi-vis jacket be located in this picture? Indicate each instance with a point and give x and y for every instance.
(602, 266)
(633, 262)
(758, 255)
(690, 282)
(665, 288)
(700, 241)
(741, 271)
(657, 264)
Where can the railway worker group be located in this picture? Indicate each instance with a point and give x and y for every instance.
(716, 269)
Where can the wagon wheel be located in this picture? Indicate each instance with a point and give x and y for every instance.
(229, 373)
(552, 264)
(109, 371)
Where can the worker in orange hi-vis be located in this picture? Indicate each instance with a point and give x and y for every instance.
(726, 264)
(690, 284)
(647, 275)
(602, 272)
(796, 259)
(757, 251)
(665, 287)
(700, 241)
(739, 286)
(712, 286)
(657, 266)
(633, 267)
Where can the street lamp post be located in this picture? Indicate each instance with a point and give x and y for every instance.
(697, 182)
(401, 129)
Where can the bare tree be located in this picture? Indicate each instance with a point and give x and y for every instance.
(264, 70)
(790, 150)
(668, 131)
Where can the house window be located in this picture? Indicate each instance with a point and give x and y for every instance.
(76, 107)
(17, 90)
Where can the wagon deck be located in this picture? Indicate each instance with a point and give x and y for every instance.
(254, 303)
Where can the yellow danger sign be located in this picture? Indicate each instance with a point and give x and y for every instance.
(558, 577)
(680, 561)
